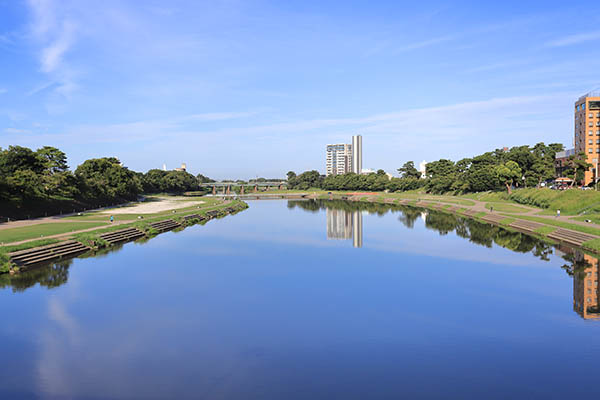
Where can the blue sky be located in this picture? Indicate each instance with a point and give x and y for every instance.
(247, 88)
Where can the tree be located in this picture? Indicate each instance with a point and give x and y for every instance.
(204, 179)
(507, 173)
(106, 179)
(55, 161)
(579, 165)
(408, 170)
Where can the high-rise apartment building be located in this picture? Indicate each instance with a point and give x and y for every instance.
(339, 159)
(343, 158)
(587, 132)
(357, 154)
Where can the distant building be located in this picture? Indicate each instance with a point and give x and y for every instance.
(339, 159)
(587, 132)
(561, 161)
(423, 169)
(164, 167)
(182, 168)
(356, 154)
(342, 158)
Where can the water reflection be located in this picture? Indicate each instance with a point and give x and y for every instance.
(344, 221)
(344, 225)
(584, 270)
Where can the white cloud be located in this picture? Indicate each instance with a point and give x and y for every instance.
(53, 53)
(55, 34)
(574, 39)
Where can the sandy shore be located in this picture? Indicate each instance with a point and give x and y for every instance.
(151, 207)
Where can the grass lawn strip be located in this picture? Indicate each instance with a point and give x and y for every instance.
(46, 229)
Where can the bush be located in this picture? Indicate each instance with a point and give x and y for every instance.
(5, 263)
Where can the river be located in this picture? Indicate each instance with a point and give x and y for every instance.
(308, 300)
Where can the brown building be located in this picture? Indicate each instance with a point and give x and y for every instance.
(587, 132)
(561, 161)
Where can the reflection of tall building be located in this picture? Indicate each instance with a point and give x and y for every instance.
(357, 229)
(585, 287)
(339, 224)
(345, 225)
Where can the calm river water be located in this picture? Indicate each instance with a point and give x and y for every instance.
(308, 300)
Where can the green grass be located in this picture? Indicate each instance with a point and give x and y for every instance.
(561, 224)
(569, 202)
(595, 218)
(505, 207)
(506, 221)
(545, 230)
(29, 245)
(593, 244)
(445, 199)
(480, 214)
(47, 229)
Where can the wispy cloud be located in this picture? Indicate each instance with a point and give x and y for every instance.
(574, 39)
(55, 34)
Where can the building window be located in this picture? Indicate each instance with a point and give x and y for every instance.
(591, 123)
(590, 133)
(591, 115)
(590, 150)
(590, 141)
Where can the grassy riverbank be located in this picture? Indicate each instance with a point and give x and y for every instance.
(68, 227)
(91, 238)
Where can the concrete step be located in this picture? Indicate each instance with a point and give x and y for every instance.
(493, 218)
(48, 254)
(164, 225)
(572, 237)
(528, 226)
(122, 235)
(42, 249)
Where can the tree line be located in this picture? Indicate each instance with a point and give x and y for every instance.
(39, 182)
(520, 166)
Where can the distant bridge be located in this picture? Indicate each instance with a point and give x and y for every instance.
(226, 186)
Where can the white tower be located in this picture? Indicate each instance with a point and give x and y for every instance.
(357, 154)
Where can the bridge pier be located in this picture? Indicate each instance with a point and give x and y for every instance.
(228, 189)
(242, 190)
(255, 188)
(214, 190)
(224, 190)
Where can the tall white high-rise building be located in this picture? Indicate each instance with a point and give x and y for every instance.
(339, 159)
(343, 158)
(357, 154)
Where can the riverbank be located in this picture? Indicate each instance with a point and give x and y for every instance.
(102, 233)
(527, 219)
